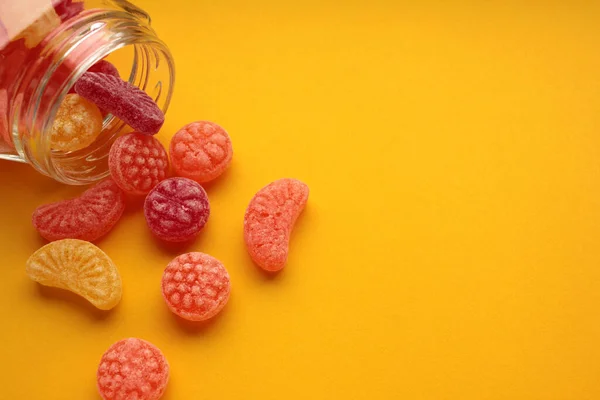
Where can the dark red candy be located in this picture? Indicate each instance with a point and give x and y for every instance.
(103, 67)
(123, 100)
(67, 9)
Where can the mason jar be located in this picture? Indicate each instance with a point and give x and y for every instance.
(40, 63)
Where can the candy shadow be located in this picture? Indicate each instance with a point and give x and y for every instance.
(192, 327)
(216, 183)
(72, 300)
(176, 248)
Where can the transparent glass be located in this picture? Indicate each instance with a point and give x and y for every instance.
(114, 30)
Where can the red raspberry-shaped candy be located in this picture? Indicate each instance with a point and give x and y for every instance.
(132, 369)
(176, 209)
(196, 286)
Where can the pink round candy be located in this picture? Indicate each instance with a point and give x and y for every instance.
(132, 369)
(195, 286)
(176, 209)
(201, 151)
(137, 162)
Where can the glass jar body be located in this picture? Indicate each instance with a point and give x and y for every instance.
(40, 65)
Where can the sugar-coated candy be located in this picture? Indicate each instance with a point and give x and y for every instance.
(132, 369)
(103, 67)
(137, 162)
(200, 151)
(269, 221)
(77, 124)
(176, 209)
(123, 100)
(87, 217)
(80, 267)
(195, 286)
(40, 28)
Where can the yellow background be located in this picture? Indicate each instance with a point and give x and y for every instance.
(450, 246)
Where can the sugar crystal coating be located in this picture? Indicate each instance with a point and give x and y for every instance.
(201, 151)
(123, 100)
(80, 267)
(132, 369)
(103, 67)
(77, 124)
(269, 221)
(195, 286)
(87, 217)
(137, 162)
(176, 209)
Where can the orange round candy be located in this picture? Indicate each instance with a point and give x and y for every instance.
(77, 124)
(201, 151)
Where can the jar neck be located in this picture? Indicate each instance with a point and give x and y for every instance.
(50, 72)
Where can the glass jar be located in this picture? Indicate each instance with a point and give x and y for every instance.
(36, 77)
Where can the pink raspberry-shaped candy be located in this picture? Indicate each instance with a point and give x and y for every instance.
(195, 286)
(176, 209)
(201, 151)
(137, 162)
(132, 369)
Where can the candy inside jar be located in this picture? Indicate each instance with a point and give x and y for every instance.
(76, 78)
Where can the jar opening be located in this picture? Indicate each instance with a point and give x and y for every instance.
(123, 40)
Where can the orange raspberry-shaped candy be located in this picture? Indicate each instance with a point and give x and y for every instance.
(77, 124)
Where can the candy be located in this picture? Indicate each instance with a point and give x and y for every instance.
(67, 9)
(137, 162)
(40, 28)
(103, 67)
(77, 124)
(201, 151)
(123, 100)
(4, 130)
(269, 221)
(176, 209)
(132, 369)
(80, 267)
(195, 286)
(12, 60)
(87, 217)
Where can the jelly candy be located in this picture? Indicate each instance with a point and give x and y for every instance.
(103, 67)
(200, 151)
(123, 100)
(132, 369)
(87, 217)
(77, 124)
(137, 162)
(80, 267)
(269, 220)
(40, 28)
(195, 286)
(176, 209)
